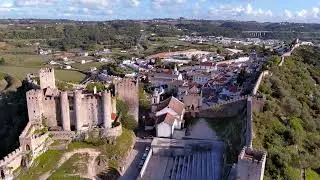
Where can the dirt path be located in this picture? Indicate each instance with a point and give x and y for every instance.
(93, 153)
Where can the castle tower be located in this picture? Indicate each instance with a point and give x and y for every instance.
(77, 110)
(47, 79)
(34, 103)
(107, 109)
(65, 112)
(251, 164)
(127, 89)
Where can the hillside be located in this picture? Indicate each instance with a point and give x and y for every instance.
(289, 126)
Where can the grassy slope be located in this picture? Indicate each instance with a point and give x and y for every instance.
(289, 126)
(77, 164)
(48, 160)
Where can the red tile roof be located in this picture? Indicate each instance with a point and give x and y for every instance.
(172, 103)
(113, 116)
(167, 118)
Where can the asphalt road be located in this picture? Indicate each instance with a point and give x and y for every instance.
(132, 168)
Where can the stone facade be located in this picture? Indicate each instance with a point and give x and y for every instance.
(128, 91)
(71, 110)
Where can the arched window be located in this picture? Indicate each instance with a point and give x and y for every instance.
(2, 174)
(27, 147)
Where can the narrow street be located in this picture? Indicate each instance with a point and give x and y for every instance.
(131, 170)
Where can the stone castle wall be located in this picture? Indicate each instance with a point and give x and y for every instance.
(128, 91)
(228, 108)
(47, 78)
(257, 84)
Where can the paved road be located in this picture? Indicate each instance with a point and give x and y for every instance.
(132, 170)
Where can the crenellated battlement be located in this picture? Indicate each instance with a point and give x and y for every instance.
(46, 70)
(252, 155)
(34, 94)
(11, 156)
(127, 82)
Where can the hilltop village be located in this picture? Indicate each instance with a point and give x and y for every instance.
(183, 112)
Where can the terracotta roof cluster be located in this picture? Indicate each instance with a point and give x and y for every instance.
(172, 103)
(167, 118)
(207, 64)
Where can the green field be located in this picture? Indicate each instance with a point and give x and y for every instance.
(21, 61)
(69, 76)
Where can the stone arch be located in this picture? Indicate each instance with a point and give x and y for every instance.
(2, 174)
(23, 162)
(28, 147)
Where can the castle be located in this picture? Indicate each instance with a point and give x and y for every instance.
(69, 111)
(60, 115)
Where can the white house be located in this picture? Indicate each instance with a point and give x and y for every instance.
(169, 116)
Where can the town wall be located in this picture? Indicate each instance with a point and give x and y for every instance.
(228, 108)
(12, 160)
(128, 91)
(114, 131)
(257, 84)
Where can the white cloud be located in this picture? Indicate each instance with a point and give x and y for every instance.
(302, 13)
(315, 12)
(34, 2)
(161, 3)
(135, 3)
(6, 5)
(288, 13)
(229, 11)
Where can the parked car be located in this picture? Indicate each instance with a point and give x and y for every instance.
(141, 163)
(144, 156)
(148, 148)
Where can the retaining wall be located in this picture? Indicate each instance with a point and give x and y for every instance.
(145, 164)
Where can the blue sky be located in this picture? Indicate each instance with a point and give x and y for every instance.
(258, 10)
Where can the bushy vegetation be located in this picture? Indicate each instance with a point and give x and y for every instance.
(289, 126)
(127, 120)
(99, 86)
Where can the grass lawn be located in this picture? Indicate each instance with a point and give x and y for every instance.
(21, 72)
(42, 164)
(69, 76)
(17, 71)
(77, 164)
